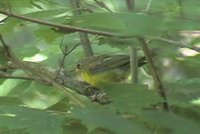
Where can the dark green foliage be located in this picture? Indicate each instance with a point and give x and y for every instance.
(31, 106)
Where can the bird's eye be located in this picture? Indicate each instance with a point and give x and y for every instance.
(78, 66)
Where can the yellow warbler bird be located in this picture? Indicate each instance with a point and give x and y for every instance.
(106, 68)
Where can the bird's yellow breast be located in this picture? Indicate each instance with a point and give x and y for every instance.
(104, 77)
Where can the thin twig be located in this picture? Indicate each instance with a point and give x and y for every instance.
(63, 59)
(103, 5)
(65, 54)
(155, 75)
(73, 48)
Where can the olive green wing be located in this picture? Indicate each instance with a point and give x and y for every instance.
(107, 63)
(102, 63)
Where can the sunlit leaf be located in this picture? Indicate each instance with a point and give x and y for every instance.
(41, 96)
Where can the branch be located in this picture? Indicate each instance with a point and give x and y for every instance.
(84, 88)
(6, 76)
(130, 4)
(85, 42)
(103, 5)
(61, 26)
(155, 75)
(65, 54)
(6, 67)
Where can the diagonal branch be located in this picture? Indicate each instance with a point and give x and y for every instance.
(103, 5)
(61, 26)
(155, 75)
(6, 76)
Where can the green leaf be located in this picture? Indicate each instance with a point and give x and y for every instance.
(11, 84)
(10, 101)
(130, 98)
(119, 42)
(62, 105)
(168, 123)
(9, 26)
(47, 14)
(74, 126)
(119, 23)
(47, 34)
(32, 121)
(192, 113)
(183, 92)
(195, 41)
(192, 61)
(190, 9)
(132, 24)
(22, 3)
(20, 88)
(53, 53)
(22, 40)
(57, 3)
(94, 117)
(41, 96)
